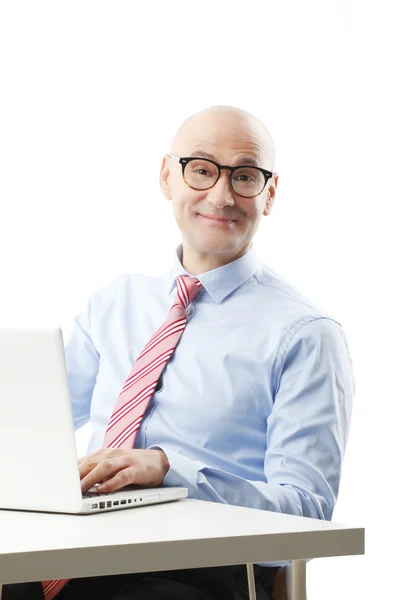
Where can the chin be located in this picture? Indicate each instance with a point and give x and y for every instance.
(217, 246)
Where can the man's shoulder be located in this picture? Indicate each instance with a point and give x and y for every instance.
(286, 295)
(294, 314)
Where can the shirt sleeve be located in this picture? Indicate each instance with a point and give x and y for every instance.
(82, 361)
(306, 432)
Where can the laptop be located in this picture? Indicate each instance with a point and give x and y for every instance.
(39, 463)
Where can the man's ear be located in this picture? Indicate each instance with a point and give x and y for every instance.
(165, 174)
(269, 200)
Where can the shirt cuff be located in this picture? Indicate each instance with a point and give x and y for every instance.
(182, 470)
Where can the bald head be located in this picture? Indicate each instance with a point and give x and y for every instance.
(225, 127)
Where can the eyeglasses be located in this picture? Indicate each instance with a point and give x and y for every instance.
(203, 174)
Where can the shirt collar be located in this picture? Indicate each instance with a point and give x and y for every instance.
(222, 281)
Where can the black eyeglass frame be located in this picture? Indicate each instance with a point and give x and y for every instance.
(185, 160)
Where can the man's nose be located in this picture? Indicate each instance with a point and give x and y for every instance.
(221, 194)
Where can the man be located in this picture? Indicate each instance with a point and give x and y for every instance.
(254, 400)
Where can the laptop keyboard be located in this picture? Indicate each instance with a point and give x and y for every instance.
(93, 495)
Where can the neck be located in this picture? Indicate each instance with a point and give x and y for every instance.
(197, 263)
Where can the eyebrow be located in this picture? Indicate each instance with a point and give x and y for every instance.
(245, 160)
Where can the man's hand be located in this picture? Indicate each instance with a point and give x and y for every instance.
(115, 468)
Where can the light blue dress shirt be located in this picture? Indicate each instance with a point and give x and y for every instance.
(254, 406)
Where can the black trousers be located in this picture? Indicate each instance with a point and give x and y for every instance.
(212, 583)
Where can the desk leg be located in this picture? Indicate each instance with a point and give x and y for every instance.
(296, 580)
(250, 580)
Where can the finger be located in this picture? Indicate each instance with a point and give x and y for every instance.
(97, 453)
(103, 471)
(100, 472)
(124, 477)
(88, 463)
(88, 466)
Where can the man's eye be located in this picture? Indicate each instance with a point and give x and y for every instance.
(202, 172)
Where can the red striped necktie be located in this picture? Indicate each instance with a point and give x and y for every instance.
(139, 387)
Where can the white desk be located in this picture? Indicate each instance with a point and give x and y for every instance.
(177, 535)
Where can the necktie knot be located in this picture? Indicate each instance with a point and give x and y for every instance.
(188, 288)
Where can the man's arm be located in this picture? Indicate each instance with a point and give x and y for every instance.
(306, 435)
(83, 365)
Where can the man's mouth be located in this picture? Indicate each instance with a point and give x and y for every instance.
(213, 219)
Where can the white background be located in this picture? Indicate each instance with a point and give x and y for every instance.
(91, 95)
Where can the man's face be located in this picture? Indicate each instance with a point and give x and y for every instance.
(227, 141)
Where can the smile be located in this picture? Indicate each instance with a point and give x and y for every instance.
(216, 221)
